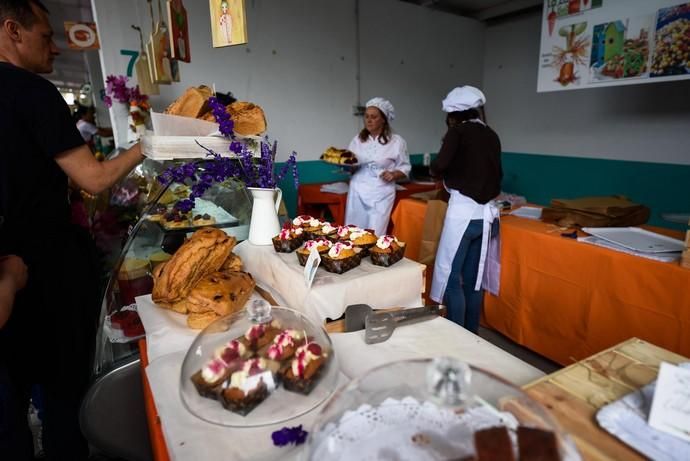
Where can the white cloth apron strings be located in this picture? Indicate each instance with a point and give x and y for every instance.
(490, 213)
(461, 210)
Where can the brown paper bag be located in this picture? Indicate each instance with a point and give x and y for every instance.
(431, 233)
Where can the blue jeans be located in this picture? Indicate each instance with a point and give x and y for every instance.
(463, 302)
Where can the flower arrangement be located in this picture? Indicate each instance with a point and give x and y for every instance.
(253, 172)
(116, 88)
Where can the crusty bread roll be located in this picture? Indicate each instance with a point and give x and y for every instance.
(249, 118)
(198, 321)
(204, 253)
(193, 102)
(221, 292)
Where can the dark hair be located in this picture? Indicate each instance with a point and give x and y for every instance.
(80, 111)
(20, 11)
(385, 132)
(458, 117)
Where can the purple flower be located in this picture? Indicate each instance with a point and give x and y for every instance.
(116, 88)
(225, 123)
(289, 435)
(184, 205)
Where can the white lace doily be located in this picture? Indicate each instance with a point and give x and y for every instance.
(405, 430)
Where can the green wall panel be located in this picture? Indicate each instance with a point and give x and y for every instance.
(663, 187)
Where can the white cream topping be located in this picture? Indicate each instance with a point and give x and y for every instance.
(301, 219)
(234, 345)
(338, 248)
(318, 243)
(239, 377)
(385, 241)
(214, 370)
(358, 233)
(343, 231)
(298, 231)
(313, 222)
(327, 228)
(302, 358)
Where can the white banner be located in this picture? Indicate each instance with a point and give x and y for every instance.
(595, 43)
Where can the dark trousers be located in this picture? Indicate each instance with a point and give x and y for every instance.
(48, 341)
(463, 302)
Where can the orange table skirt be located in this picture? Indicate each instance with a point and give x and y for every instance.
(568, 300)
(158, 446)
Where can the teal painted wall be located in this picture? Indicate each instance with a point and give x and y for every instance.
(664, 188)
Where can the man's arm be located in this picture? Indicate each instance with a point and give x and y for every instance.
(94, 176)
(13, 275)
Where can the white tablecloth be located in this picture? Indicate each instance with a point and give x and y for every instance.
(399, 285)
(189, 438)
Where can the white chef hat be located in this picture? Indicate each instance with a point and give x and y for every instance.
(463, 98)
(384, 106)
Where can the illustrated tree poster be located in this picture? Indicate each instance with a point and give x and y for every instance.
(597, 43)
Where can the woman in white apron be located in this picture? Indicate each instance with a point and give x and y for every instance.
(383, 160)
(469, 163)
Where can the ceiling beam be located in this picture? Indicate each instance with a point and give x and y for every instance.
(505, 9)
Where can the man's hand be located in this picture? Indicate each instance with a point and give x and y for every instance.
(13, 269)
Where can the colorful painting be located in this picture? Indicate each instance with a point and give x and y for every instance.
(620, 49)
(228, 22)
(672, 42)
(179, 31)
(567, 59)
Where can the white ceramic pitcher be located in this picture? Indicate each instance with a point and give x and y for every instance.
(264, 224)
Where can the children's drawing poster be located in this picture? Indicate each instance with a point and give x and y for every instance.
(597, 43)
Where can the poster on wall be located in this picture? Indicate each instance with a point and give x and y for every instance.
(228, 22)
(598, 43)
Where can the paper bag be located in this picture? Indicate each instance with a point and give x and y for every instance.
(431, 233)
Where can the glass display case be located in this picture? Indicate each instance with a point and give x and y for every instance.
(153, 240)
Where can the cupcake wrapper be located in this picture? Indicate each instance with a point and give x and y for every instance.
(203, 388)
(302, 258)
(304, 386)
(365, 248)
(387, 259)
(287, 246)
(250, 401)
(339, 266)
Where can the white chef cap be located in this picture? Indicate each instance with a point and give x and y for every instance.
(384, 106)
(463, 98)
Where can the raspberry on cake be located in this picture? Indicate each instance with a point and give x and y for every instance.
(288, 240)
(342, 257)
(284, 345)
(322, 246)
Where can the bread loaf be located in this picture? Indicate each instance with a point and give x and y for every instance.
(221, 292)
(248, 118)
(193, 102)
(199, 256)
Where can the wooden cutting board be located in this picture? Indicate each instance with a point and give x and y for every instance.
(141, 69)
(575, 394)
(159, 62)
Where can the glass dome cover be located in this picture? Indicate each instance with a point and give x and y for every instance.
(434, 409)
(259, 366)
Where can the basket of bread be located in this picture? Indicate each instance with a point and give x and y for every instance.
(188, 124)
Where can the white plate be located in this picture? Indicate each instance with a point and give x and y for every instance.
(637, 239)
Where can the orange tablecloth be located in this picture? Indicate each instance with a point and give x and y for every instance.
(568, 300)
(312, 201)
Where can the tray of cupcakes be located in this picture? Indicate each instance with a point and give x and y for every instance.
(262, 365)
(341, 247)
(204, 214)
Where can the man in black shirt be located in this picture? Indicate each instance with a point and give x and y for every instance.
(49, 336)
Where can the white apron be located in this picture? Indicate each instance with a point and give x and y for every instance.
(370, 199)
(461, 210)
